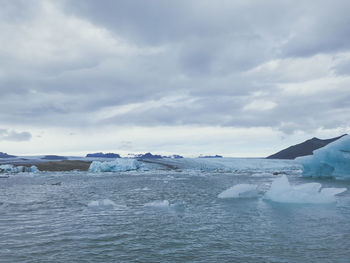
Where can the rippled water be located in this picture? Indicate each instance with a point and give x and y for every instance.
(166, 216)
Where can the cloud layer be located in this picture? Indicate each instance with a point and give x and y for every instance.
(9, 135)
(80, 64)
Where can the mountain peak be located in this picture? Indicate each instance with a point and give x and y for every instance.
(302, 149)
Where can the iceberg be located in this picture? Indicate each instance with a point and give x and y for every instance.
(9, 168)
(332, 160)
(240, 191)
(118, 165)
(104, 204)
(311, 193)
(158, 204)
(165, 205)
(226, 165)
(34, 169)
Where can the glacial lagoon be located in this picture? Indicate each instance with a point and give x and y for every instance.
(172, 212)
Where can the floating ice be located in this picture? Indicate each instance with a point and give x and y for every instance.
(102, 204)
(262, 174)
(240, 191)
(332, 191)
(6, 168)
(118, 165)
(158, 204)
(164, 205)
(178, 206)
(141, 189)
(224, 165)
(332, 160)
(9, 168)
(281, 191)
(34, 169)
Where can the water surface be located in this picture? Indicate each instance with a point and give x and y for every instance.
(124, 217)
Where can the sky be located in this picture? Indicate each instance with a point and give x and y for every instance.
(238, 78)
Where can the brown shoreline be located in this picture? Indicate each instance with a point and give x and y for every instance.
(59, 166)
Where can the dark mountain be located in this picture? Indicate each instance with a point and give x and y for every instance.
(148, 156)
(302, 149)
(103, 155)
(54, 157)
(5, 155)
(176, 156)
(210, 156)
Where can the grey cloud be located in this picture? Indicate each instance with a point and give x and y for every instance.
(208, 51)
(157, 21)
(343, 68)
(19, 10)
(320, 28)
(292, 113)
(11, 135)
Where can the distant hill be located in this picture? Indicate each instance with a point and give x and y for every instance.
(103, 155)
(5, 155)
(210, 156)
(175, 156)
(302, 149)
(148, 156)
(54, 157)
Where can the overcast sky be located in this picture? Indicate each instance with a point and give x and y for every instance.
(238, 78)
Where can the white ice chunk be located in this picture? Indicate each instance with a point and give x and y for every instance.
(281, 191)
(240, 191)
(333, 191)
(118, 165)
(102, 204)
(158, 204)
(262, 174)
(333, 160)
(310, 187)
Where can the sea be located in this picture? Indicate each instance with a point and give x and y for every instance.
(169, 213)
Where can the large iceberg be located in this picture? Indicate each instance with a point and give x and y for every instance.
(332, 160)
(9, 168)
(240, 191)
(224, 164)
(118, 165)
(311, 193)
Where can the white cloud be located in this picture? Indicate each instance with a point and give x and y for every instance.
(316, 86)
(230, 66)
(12, 135)
(54, 41)
(186, 140)
(260, 105)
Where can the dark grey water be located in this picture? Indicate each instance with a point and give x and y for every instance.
(103, 218)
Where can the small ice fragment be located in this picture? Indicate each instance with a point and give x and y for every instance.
(262, 174)
(178, 206)
(34, 169)
(158, 204)
(240, 191)
(102, 204)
